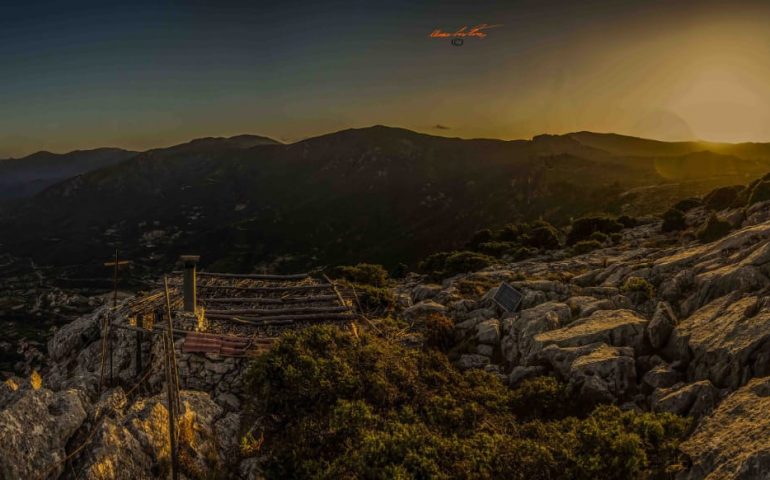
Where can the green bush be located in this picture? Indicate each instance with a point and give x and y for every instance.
(374, 300)
(714, 229)
(438, 330)
(509, 233)
(760, 192)
(673, 220)
(723, 197)
(688, 204)
(447, 264)
(497, 249)
(333, 405)
(363, 273)
(584, 227)
(399, 271)
(482, 236)
(585, 246)
(544, 236)
(638, 285)
(599, 237)
(522, 253)
(616, 238)
(627, 221)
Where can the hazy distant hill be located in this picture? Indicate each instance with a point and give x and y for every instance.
(24, 177)
(379, 194)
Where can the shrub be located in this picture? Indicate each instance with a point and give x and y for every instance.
(482, 236)
(760, 192)
(627, 221)
(523, 253)
(724, 197)
(434, 262)
(438, 330)
(334, 405)
(363, 273)
(714, 229)
(599, 237)
(638, 285)
(509, 233)
(543, 236)
(496, 249)
(462, 262)
(673, 220)
(584, 227)
(446, 264)
(374, 300)
(688, 204)
(616, 238)
(399, 271)
(585, 246)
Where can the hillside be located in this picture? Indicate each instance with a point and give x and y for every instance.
(382, 194)
(27, 176)
(643, 358)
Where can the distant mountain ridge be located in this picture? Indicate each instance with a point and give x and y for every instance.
(26, 176)
(379, 194)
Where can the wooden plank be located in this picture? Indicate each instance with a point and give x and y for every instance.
(276, 311)
(254, 276)
(301, 317)
(269, 301)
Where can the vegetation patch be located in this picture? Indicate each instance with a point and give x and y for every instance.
(586, 246)
(714, 229)
(724, 197)
(639, 286)
(584, 227)
(673, 220)
(331, 404)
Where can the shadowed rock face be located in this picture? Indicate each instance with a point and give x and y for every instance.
(734, 441)
(35, 428)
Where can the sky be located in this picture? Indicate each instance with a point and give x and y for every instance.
(152, 73)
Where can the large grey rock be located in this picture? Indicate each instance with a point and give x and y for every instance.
(694, 399)
(425, 292)
(733, 442)
(662, 324)
(488, 332)
(613, 327)
(423, 308)
(726, 341)
(520, 330)
(607, 374)
(35, 429)
(472, 360)
(661, 376)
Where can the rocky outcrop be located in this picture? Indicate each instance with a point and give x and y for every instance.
(694, 399)
(34, 430)
(733, 443)
(621, 328)
(726, 341)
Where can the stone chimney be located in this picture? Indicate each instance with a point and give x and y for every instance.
(190, 294)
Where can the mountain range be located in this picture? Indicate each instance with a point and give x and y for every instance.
(377, 194)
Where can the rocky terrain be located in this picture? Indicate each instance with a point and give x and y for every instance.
(657, 322)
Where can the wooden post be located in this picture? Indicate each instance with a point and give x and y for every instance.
(139, 336)
(172, 352)
(107, 341)
(171, 406)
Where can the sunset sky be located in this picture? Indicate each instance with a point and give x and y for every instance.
(144, 74)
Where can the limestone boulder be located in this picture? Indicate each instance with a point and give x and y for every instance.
(35, 429)
(694, 399)
(733, 442)
(662, 324)
(520, 330)
(423, 308)
(618, 328)
(472, 360)
(488, 332)
(727, 341)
